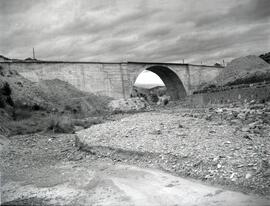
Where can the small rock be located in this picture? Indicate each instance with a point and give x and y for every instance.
(219, 110)
(235, 113)
(247, 137)
(248, 175)
(180, 126)
(232, 175)
(208, 117)
(185, 156)
(219, 166)
(241, 116)
(234, 179)
(235, 121)
(216, 159)
(54, 110)
(253, 124)
(245, 129)
(267, 173)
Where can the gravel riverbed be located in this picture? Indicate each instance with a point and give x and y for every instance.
(200, 145)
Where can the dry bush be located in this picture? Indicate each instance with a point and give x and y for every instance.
(55, 123)
(25, 126)
(60, 123)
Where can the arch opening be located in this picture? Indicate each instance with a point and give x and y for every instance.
(167, 79)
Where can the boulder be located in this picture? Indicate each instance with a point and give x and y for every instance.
(163, 100)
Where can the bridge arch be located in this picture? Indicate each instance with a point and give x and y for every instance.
(175, 87)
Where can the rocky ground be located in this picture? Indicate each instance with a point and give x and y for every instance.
(228, 146)
(49, 170)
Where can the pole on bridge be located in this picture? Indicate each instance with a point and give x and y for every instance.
(34, 57)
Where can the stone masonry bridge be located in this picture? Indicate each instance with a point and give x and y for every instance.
(117, 79)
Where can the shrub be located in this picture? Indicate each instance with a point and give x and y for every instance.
(153, 98)
(2, 102)
(21, 113)
(60, 124)
(24, 126)
(5, 89)
(10, 101)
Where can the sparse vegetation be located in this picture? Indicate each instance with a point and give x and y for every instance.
(50, 106)
(252, 78)
(60, 123)
(150, 95)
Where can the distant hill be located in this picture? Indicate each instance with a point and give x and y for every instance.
(148, 86)
(5, 59)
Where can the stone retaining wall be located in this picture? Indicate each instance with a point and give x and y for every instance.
(258, 92)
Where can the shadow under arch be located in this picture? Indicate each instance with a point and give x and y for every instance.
(175, 87)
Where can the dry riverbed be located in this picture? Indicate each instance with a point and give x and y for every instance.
(47, 169)
(219, 146)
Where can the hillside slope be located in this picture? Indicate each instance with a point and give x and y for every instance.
(244, 68)
(27, 106)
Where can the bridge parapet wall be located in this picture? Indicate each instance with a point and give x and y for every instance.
(111, 79)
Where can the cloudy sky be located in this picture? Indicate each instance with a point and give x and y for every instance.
(134, 30)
